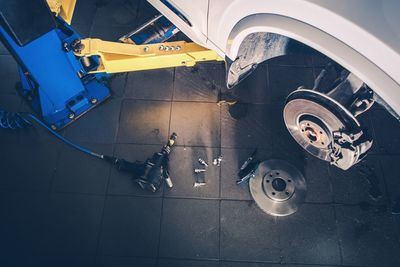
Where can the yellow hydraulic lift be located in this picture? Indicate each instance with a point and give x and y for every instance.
(125, 57)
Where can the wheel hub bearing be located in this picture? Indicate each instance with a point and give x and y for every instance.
(278, 188)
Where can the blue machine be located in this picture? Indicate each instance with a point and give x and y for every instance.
(54, 81)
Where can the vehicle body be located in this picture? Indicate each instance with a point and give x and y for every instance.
(363, 36)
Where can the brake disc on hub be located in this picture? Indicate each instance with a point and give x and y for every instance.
(278, 188)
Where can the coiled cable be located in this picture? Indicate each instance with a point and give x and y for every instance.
(12, 120)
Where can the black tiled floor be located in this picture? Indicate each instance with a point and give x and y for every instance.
(151, 84)
(200, 239)
(144, 122)
(248, 234)
(131, 227)
(367, 238)
(198, 123)
(59, 207)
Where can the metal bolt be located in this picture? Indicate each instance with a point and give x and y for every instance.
(178, 47)
(71, 116)
(196, 184)
(199, 170)
(161, 48)
(93, 101)
(146, 49)
(53, 127)
(203, 162)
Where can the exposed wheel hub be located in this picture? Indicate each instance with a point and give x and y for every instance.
(278, 188)
(324, 124)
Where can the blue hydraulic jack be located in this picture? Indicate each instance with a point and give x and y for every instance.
(54, 81)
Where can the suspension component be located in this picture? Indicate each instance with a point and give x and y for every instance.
(325, 124)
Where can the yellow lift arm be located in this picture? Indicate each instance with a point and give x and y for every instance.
(122, 57)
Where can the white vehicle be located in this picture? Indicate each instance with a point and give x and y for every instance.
(363, 36)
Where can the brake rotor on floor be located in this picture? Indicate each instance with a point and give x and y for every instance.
(278, 188)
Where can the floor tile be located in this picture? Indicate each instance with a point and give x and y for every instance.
(8, 74)
(125, 262)
(117, 84)
(285, 79)
(248, 234)
(309, 236)
(363, 182)
(121, 183)
(81, 173)
(257, 264)
(367, 238)
(27, 167)
(84, 12)
(50, 261)
(183, 161)
(145, 12)
(22, 225)
(190, 229)
(130, 227)
(197, 124)
(199, 83)
(99, 124)
(246, 126)
(72, 225)
(144, 122)
(151, 84)
(185, 263)
(116, 13)
(9, 103)
(387, 132)
(391, 170)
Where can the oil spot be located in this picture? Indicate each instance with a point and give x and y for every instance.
(156, 132)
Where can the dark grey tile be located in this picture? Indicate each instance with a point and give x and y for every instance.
(117, 83)
(246, 126)
(319, 185)
(72, 225)
(248, 234)
(22, 225)
(131, 227)
(185, 263)
(387, 132)
(190, 229)
(51, 260)
(8, 74)
(84, 12)
(320, 60)
(81, 173)
(144, 122)
(183, 161)
(299, 59)
(82, 29)
(363, 182)
(121, 183)
(309, 236)
(257, 264)
(285, 79)
(254, 89)
(367, 238)
(151, 84)
(98, 124)
(116, 13)
(202, 82)
(3, 50)
(125, 262)
(27, 166)
(391, 171)
(197, 124)
(9, 103)
(145, 12)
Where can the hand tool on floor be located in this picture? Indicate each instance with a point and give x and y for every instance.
(248, 168)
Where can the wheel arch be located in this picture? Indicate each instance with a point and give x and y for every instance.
(384, 86)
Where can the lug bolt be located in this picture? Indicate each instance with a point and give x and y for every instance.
(203, 162)
(199, 170)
